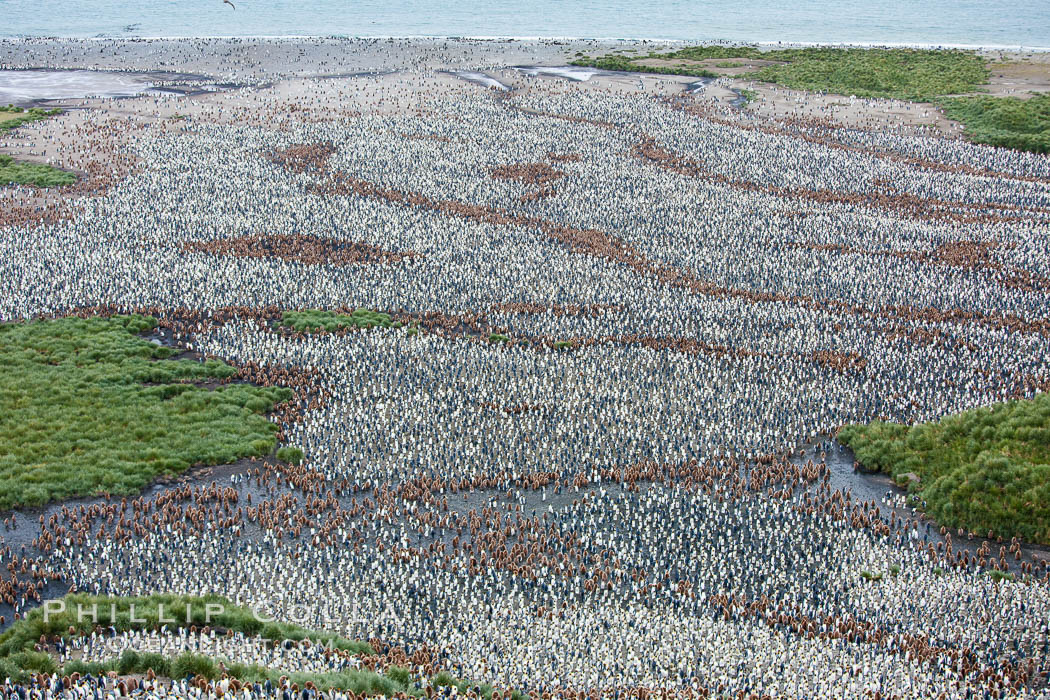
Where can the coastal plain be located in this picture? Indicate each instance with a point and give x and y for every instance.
(564, 353)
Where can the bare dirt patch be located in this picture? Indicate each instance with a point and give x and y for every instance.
(1019, 76)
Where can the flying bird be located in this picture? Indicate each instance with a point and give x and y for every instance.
(230, 4)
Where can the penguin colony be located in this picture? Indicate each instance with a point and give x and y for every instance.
(572, 470)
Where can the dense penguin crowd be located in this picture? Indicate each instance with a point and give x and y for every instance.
(573, 468)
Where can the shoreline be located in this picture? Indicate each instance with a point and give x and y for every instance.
(763, 43)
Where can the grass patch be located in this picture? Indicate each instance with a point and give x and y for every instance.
(89, 406)
(704, 53)
(22, 635)
(190, 664)
(292, 455)
(747, 97)
(1004, 121)
(13, 172)
(627, 64)
(12, 117)
(18, 660)
(17, 657)
(315, 320)
(908, 74)
(986, 470)
(362, 682)
(498, 338)
(905, 74)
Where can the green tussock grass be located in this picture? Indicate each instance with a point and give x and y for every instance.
(703, 53)
(90, 406)
(905, 74)
(999, 576)
(190, 664)
(18, 660)
(627, 64)
(908, 74)
(292, 455)
(13, 172)
(315, 320)
(12, 117)
(24, 633)
(748, 96)
(1004, 121)
(985, 470)
(16, 644)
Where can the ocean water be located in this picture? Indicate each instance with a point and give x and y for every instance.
(1000, 23)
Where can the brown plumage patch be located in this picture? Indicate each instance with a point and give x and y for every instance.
(305, 157)
(840, 361)
(530, 173)
(306, 249)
